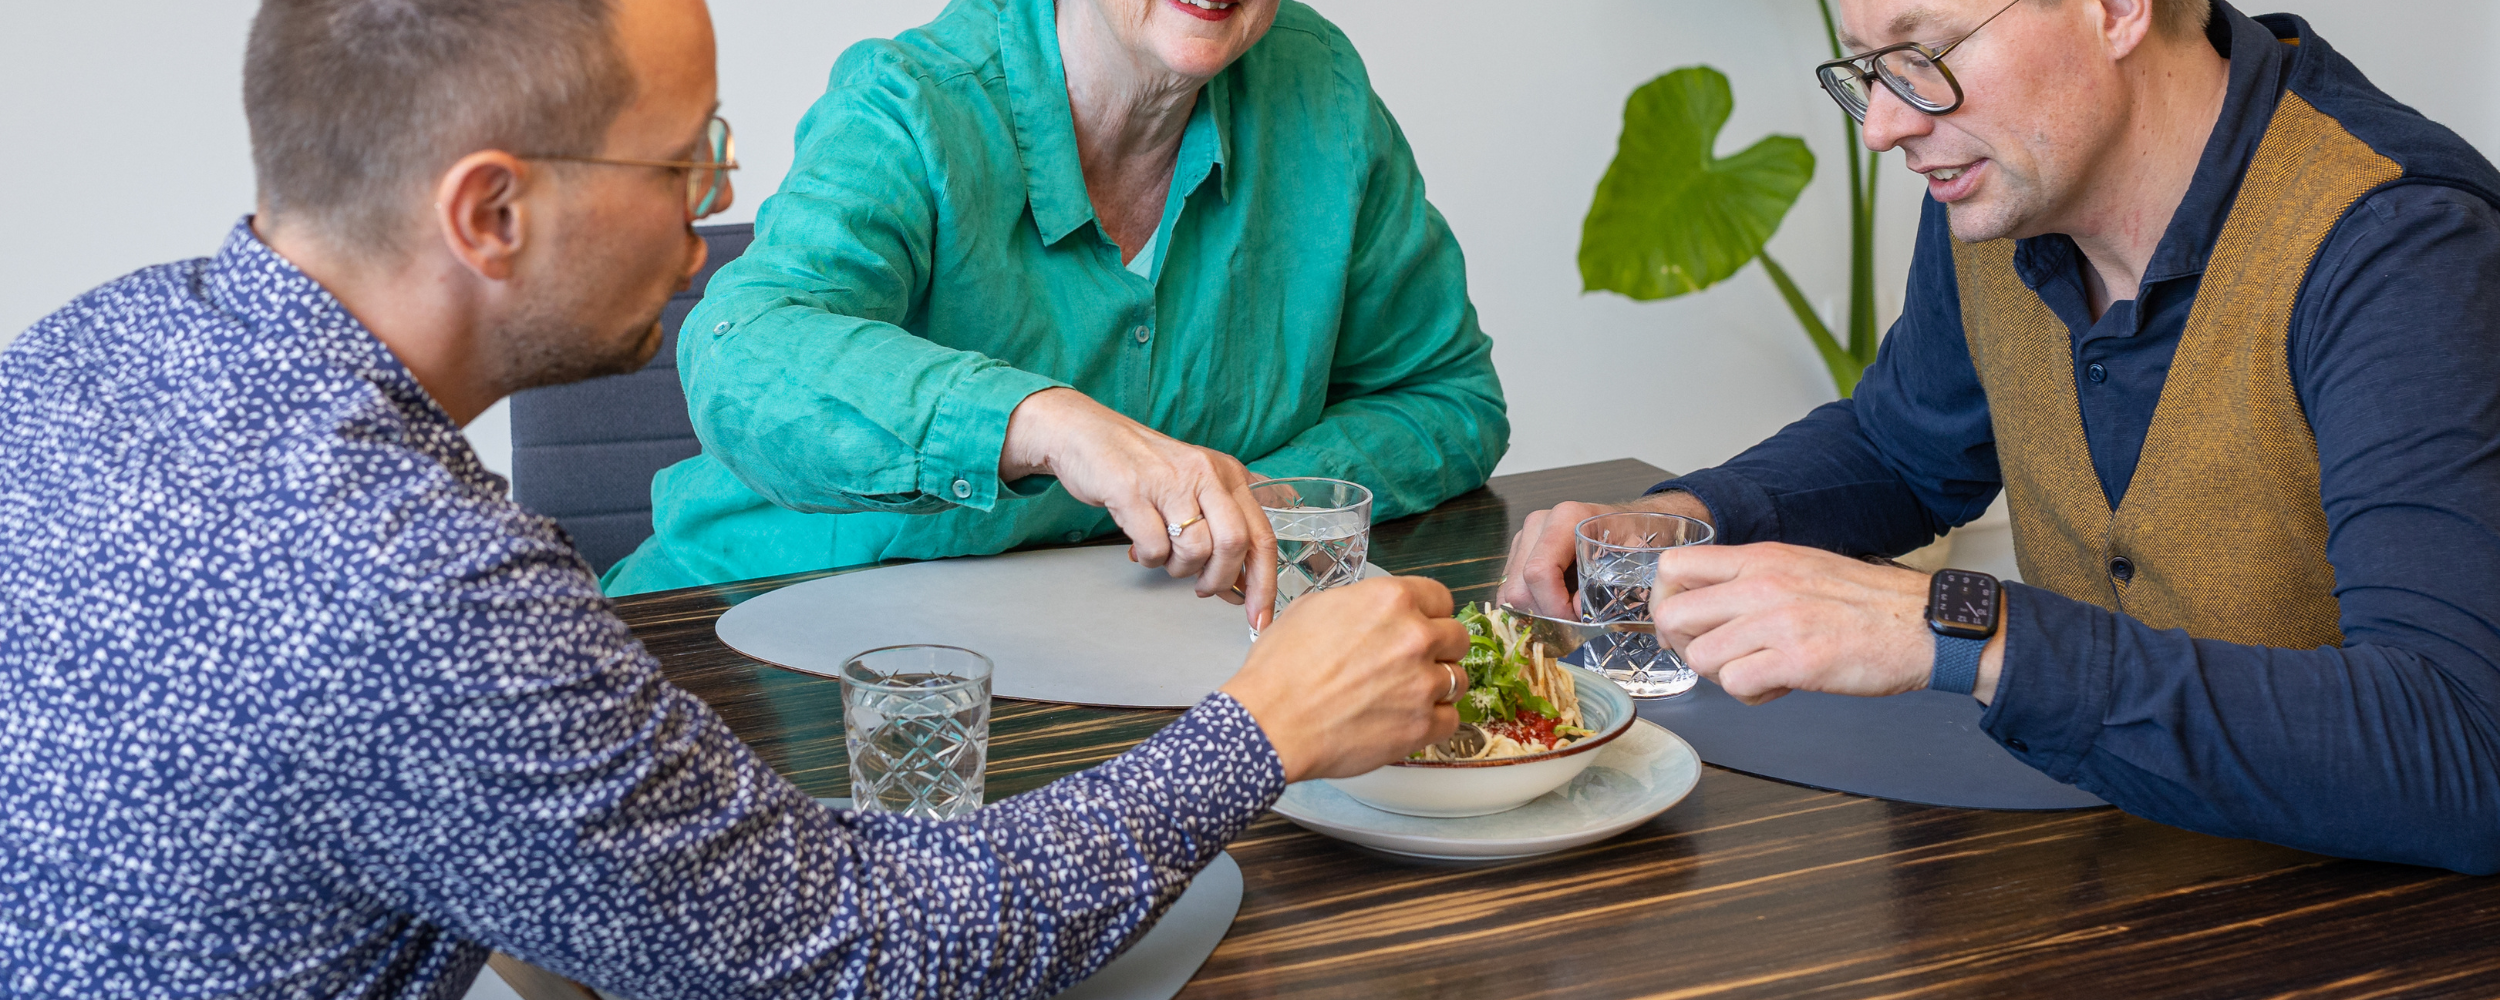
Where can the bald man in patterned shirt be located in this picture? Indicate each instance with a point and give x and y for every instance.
(294, 701)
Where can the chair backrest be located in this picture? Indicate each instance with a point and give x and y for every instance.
(585, 453)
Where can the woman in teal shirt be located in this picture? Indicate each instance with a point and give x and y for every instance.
(1037, 261)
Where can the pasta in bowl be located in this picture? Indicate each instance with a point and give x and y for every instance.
(1542, 721)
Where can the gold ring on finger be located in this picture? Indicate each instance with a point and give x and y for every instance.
(1175, 530)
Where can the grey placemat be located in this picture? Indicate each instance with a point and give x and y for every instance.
(1923, 747)
(1080, 626)
(1159, 964)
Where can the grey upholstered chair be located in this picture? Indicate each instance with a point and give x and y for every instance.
(585, 453)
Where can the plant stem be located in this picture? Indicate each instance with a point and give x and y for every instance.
(1862, 265)
(1862, 164)
(1845, 367)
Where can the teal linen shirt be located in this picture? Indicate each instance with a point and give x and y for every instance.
(932, 259)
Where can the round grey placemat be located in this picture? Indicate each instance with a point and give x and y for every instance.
(1079, 626)
(1159, 964)
(1924, 747)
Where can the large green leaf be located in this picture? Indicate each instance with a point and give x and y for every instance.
(1672, 218)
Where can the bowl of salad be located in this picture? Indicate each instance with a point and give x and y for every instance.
(1529, 724)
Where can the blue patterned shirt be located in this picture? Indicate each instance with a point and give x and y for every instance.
(294, 702)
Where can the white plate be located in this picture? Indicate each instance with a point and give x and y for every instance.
(1079, 626)
(1634, 778)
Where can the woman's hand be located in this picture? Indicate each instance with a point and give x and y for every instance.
(1149, 482)
(1354, 678)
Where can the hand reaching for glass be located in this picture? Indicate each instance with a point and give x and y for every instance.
(1356, 677)
(1186, 509)
(1766, 619)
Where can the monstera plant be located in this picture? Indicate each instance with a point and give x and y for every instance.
(1672, 216)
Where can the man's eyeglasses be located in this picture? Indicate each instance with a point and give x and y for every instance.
(1913, 72)
(707, 178)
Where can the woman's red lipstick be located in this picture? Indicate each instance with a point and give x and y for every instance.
(1202, 13)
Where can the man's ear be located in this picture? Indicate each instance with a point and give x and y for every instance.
(2125, 24)
(479, 208)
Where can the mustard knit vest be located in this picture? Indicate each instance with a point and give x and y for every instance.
(2222, 524)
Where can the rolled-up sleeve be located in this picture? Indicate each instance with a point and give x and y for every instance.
(799, 375)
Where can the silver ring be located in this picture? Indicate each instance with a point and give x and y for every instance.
(1176, 529)
(1449, 695)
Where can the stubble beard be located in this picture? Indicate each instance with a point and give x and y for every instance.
(548, 345)
(1983, 219)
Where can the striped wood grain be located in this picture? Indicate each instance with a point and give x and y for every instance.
(1749, 888)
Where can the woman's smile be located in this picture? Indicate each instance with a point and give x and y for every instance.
(1206, 10)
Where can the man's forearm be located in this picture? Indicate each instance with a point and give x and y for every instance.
(1820, 483)
(1675, 501)
(2365, 752)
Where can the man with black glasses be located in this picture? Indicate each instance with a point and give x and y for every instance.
(2223, 323)
(294, 701)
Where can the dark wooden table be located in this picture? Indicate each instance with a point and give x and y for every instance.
(1748, 888)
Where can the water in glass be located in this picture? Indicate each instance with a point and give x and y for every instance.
(1318, 549)
(918, 739)
(1619, 591)
(1323, 533)
(1618, 561)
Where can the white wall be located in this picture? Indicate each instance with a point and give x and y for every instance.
(131, 150)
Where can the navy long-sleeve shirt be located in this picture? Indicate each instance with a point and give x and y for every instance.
(2386, 748)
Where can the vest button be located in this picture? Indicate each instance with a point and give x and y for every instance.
(2122, 568)
(2096, 373)
(2017, 746)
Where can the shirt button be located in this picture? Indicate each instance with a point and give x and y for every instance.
(2018, 746)
(962, 489)
(722, 327)
(1075, 537)
(1142, 334)
(2096, 373)
(2121, 568)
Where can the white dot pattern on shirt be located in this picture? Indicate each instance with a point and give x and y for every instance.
(295, 702)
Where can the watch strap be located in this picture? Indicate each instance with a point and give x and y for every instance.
(1957, 664)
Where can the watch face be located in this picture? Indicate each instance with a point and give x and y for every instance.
(1963, 601)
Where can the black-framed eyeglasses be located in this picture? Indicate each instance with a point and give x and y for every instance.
(1913, 72)
(707, 177)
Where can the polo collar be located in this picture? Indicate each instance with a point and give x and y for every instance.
(1037, 99)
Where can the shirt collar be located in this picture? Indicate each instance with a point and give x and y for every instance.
(1037, 97)
(2259, 66)
(277, 302)
(1217, 98)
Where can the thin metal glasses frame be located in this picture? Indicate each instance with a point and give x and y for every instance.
(703, 190)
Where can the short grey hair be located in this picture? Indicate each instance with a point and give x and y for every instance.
(356, 106)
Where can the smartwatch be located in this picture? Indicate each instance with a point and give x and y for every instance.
(1962, 612)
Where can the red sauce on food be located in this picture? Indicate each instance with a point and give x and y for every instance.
(1530, 728)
